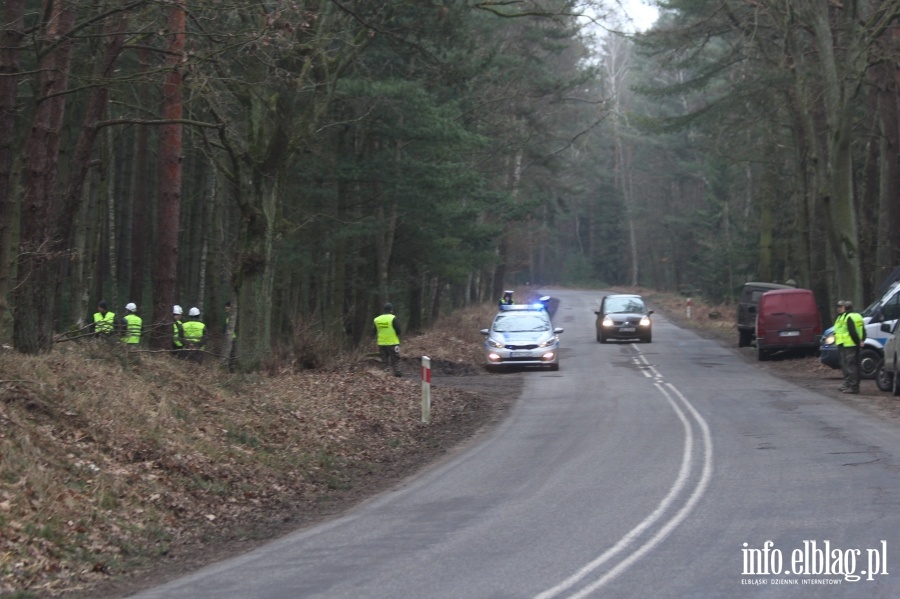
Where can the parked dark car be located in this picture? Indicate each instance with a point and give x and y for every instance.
(787, 319)
(623, 316)
(747, 307)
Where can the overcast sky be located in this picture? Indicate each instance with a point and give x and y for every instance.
(640, 13)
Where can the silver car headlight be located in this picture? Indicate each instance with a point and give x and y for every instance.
(494, 343)
(549, 342)
(829, 340)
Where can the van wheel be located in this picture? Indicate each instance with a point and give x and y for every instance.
(869, 361)
(884, 380)
(744, 338)
(761, 354)
(895, 383)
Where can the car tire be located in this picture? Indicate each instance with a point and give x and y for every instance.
(599, 337)
(869, 361)
(884, 380)
(554, 367)
(744, 338)
(647, 338)
(492, 368)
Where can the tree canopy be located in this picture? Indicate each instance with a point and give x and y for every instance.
(309, 160)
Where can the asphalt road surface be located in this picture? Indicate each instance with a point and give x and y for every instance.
(670, 469)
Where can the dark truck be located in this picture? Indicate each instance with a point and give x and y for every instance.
(748, 304)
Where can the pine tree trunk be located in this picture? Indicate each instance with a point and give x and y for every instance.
(34, 297)
(80, 164)
(887, 252)
(169, 186)
(256, 278)
(10, 39)
(840, 92)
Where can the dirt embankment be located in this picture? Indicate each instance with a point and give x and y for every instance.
(120, 470)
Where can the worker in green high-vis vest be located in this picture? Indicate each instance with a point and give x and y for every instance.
(104, 320)
(132, 325)
(194, 336)
(387, 330)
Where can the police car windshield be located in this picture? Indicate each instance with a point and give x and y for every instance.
(520, 323)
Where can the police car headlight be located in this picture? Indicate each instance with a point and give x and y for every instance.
(494, 343)
(549, 342)
(829, 340)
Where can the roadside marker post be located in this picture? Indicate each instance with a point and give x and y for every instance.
(426, 389)
(689, 308)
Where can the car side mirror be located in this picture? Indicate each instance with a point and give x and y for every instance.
(596, 311)
(886, 327)
(484, 331)
(558, 331)
(649, 312)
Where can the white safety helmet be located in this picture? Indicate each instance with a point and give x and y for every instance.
(194, 312)
(176, 310)
(131, 307)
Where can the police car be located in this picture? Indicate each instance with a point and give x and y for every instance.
(522, 335)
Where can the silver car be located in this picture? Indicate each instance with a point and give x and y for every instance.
(521, 335)
(886, 376)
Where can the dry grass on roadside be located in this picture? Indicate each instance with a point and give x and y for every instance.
(109, 460)
(454, 339)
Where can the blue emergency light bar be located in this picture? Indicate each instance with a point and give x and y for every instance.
(535, 306)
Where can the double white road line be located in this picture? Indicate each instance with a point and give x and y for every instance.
(697, 453)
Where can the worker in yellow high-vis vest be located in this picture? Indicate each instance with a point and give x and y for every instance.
(849, 334)
(178, 332)
(194, 336)
(387, 330)
(104, 320)
(132, 325)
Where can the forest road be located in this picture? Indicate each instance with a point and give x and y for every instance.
(669, 469)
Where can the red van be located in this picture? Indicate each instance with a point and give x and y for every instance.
(787, 319)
